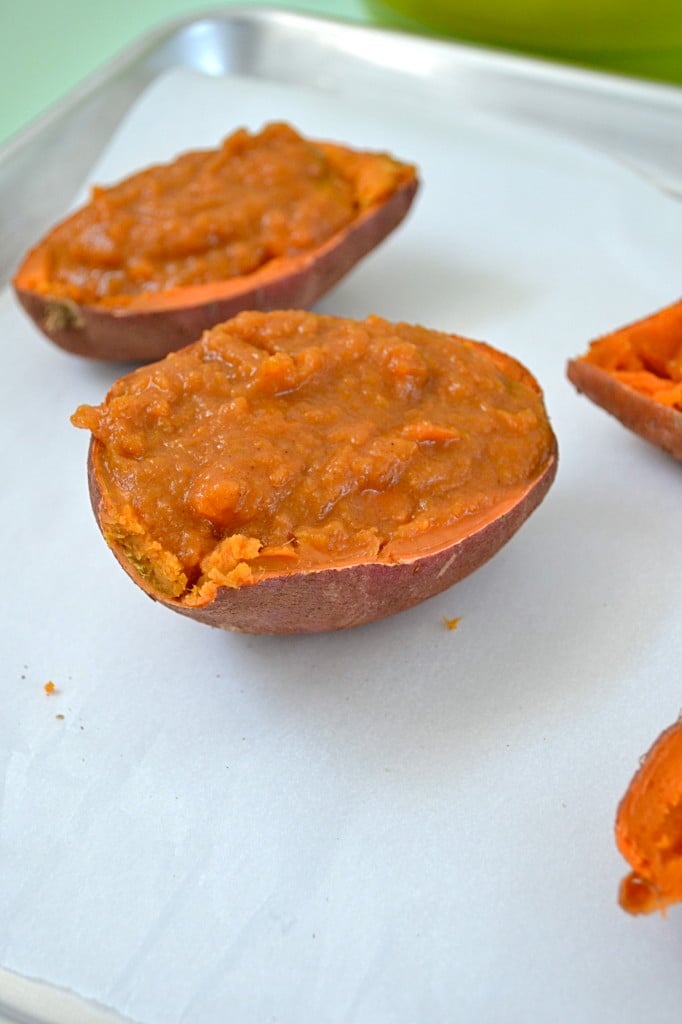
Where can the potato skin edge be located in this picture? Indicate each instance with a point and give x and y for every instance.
(658, 424)
(332, 599)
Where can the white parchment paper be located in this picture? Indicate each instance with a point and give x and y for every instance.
(398, 823)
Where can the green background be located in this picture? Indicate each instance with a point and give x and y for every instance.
(48, 46)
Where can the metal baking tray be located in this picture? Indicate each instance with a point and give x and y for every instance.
(639, 123)
(639, 126)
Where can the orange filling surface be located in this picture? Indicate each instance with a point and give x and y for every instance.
(288, 441)
(210, 216)
(646, 356)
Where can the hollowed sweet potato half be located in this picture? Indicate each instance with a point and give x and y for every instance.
(635, 373)
(292, 472)
(266, 221)
(649, 828)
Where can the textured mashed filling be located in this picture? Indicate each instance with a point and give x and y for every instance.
(211, 215)
(288, 441)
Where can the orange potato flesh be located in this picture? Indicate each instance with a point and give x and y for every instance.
(649, 828)
(635, 373)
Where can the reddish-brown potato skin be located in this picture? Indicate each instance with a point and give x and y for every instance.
(329, 599)
(659, 424)
(144, 335)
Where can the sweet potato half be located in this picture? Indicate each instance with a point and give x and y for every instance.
(295, 473)
(635, 374)
(649, 828)
(266, 221)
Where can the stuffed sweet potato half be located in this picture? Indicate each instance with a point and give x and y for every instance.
(291, 472)
(635, 373)
(267, 221)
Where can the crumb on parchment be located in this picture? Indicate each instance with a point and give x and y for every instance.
(50, 687)
(452, 623)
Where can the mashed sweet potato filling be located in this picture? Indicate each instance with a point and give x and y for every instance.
(289, 441)
(210, 215)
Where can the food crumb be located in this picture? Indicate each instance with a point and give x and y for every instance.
(49, 687)
(60, 717)
(452, 623)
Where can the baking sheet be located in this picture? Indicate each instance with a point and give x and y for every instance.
(401, 822)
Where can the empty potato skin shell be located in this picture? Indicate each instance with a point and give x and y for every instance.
(338, 598)
(658, 424)
(655, 422)
(139, 334)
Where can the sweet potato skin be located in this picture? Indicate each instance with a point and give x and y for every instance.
(658, 424)
(146, 333)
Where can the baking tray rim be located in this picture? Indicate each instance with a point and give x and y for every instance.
(479, 54)
(635, 120)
